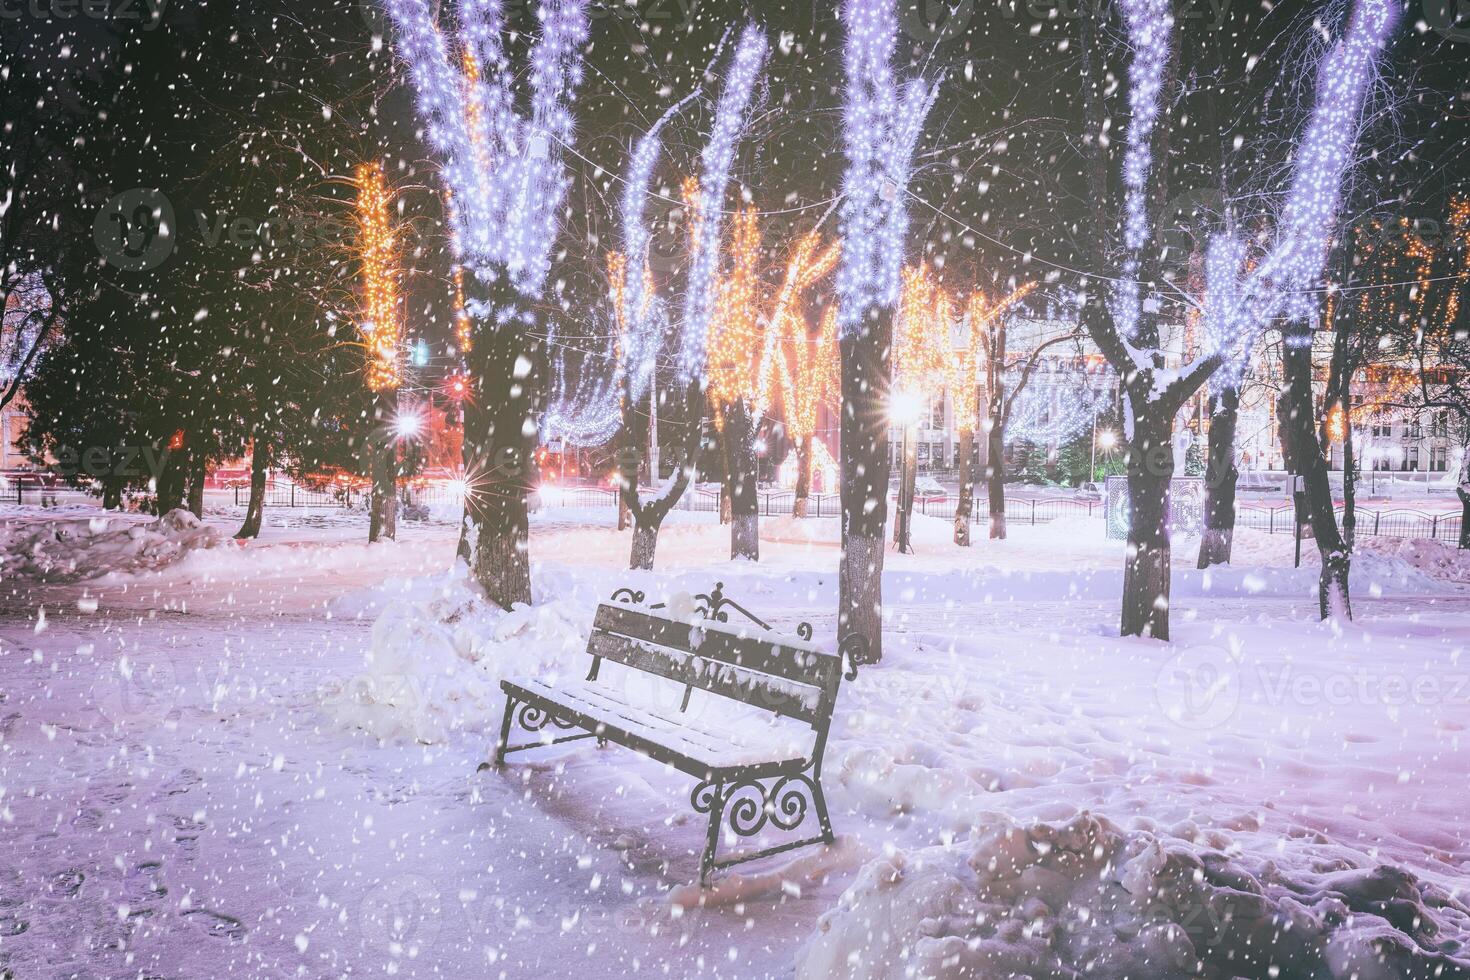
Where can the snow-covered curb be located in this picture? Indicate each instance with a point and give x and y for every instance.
(77, 549)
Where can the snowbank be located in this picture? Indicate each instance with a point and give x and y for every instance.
(1084, 898)
(74, 549)
(438, 653)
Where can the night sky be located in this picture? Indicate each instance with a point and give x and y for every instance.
(998, 197)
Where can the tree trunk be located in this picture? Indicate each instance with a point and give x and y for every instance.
(112, 488)
(1463, 490)
(255, 508)
(866, 353)
(1147, 568)
(739, 445)
(645, 542)
(1333, 597)
(196, 483)
(965, 504)
(170, 481)
(1349, 480)
(499, 439)
(1464, 519)
(648, 516)
(727, 513)
(903, 522)
(383, 519)
(1220, 480)
(803, 475)
(995, 478)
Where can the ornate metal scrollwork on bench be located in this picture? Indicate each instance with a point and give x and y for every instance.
(533, 718)
(625, 594)
(750, 804)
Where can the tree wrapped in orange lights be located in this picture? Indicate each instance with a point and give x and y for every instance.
(920, 352)
(758, 343)
(1427, 309)
(381, 329)
(802, 366)
(808, 372)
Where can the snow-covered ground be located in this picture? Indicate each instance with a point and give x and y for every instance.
(262, 761)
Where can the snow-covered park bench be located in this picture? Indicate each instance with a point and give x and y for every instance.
(743, 709)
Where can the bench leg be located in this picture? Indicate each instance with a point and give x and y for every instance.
(819, 803)
(504, 740)
(715, 803)
(773, 801)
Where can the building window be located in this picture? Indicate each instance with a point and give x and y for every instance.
(1438, 459)
(1382, 425)
(1411, 459)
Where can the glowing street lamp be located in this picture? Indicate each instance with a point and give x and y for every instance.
(408, 425)
(1107, 439)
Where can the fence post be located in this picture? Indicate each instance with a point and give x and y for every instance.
(1434, 528)
(1271, 528)
(293, 495)
(1033, 511)
(1376, 516)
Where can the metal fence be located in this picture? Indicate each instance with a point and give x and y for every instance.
(1394, 523)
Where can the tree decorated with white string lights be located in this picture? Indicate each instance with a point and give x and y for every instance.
(641, 307)
(1243, 297)
(505, 169)
(881, 123)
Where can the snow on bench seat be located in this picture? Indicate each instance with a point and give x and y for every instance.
(705, 739)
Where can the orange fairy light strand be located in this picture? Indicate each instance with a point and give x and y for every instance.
(809, 263)
(735, 332)
(381, 324)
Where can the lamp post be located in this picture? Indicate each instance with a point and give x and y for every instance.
(903, 409)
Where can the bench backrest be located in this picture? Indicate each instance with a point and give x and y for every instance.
(744, 663)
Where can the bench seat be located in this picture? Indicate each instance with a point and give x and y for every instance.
(701, 747)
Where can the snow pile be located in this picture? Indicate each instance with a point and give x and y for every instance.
(71, 550)
(436, 659)
(1381, 565)
(1087, 899)
(1432, 557)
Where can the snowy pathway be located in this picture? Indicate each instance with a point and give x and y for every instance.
(177, 803)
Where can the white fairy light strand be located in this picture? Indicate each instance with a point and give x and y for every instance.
(1240, 306)
(716, 160)
(505, 170)
(880, 130)
(1149, 25)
